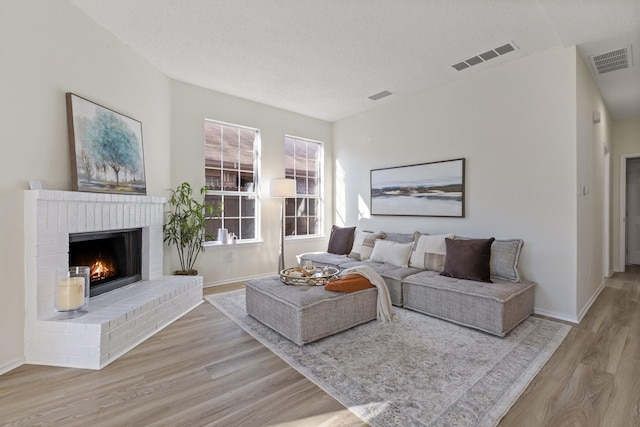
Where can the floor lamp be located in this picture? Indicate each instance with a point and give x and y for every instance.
(282, 188)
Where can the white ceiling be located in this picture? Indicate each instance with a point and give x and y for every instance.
(324, 58)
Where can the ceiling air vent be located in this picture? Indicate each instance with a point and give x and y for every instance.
(618, 59)
(380, 95)
(484, 57)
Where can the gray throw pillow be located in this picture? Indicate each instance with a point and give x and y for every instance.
(504, 259)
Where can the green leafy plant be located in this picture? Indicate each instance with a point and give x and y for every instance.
(186, 225)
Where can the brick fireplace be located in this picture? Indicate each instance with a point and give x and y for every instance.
(117, 320)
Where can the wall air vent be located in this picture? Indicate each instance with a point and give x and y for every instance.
(380, 95)
(486, 56)
(617, 59)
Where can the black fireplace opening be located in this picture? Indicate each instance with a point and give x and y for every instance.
(113, 256)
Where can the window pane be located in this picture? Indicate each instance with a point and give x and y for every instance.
(248, 208)
(246, 161)
(213, 178)
(213, 137)
(246, 181)
(230, 181)
(289, 160)
(313, 207)
(233, 225)
(247, 139)
(301, 185)
(301, 207)
(212, 228)
(290, 226)
(290, 207)
(213, 145)
(231, 207)
(314, 225)
(313, 186)
(302, 226)
(215, 201)
(230, 136)
(301, 150)
(313, 152)
(248, 228)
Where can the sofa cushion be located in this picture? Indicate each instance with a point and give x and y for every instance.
(391, 253)
(429, 252)
(504, 259)
(341, 240)
(392, 275)
(495, 307)
(363, 243)
(468, 259)
(349, 283)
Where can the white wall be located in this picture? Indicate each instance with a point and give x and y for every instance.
(591, 140)
(190, 106)
(49, 48)
(516, 126)
(626, 141)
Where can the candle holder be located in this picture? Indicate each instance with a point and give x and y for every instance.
(72, 291)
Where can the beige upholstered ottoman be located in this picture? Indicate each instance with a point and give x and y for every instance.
(304, 314)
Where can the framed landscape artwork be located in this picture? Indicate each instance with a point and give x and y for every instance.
(106, 149)
(427, 189)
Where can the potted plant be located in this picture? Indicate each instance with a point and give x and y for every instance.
(186, 225)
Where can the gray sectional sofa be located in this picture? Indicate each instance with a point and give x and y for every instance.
(495, 306)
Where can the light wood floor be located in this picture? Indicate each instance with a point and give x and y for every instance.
(205, 370)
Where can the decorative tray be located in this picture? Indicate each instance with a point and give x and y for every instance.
(300, 276)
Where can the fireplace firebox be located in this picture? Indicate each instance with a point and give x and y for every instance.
(113, 256)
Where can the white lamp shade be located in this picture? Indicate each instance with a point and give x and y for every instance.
(282, 187)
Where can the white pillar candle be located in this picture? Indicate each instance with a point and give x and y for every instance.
(70, 293)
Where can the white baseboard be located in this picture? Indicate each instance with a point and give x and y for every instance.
(235, 280)
(553, 315)
(11, 365)
(589, 303)
(582, 312)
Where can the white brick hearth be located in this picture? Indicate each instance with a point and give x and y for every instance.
(116, 321)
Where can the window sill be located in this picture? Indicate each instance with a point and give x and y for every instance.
(216, 245)
(304, 237)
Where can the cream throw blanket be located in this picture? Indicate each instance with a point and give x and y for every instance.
(385, 309)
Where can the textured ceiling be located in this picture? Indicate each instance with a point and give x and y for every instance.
(324, 58)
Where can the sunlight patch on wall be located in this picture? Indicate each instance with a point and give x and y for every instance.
(340, 197)
(363, 208)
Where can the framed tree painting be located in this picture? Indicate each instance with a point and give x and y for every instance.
(427, 189)
(106, 149)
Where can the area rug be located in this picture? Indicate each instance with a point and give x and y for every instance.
(417, 370)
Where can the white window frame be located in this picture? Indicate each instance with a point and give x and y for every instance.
(256, 185)
(320, 184)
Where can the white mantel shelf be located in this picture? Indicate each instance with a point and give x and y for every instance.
(116, 321)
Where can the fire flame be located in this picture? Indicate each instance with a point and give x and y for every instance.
(100, 270)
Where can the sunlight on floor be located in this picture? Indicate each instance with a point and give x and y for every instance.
(335, 419)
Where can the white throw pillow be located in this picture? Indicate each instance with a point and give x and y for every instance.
(430, 252)
(391, 252)
(363, 244)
